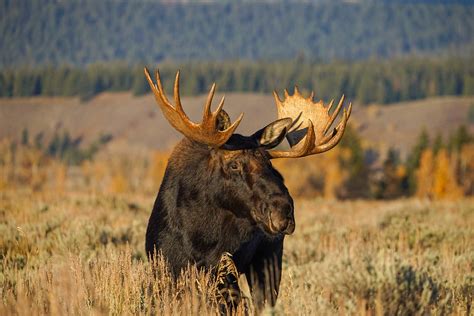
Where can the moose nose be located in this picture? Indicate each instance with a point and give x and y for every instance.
(283, 220)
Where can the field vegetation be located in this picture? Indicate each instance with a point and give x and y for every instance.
(72, 234)
(76, 253)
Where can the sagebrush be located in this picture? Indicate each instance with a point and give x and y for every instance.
(84, 254)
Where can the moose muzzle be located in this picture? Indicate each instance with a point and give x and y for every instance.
(282, 219)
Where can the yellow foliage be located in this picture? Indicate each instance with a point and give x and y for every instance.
(318, 175)
(95, 173)
(86, 169)
(401, 172)
(436, 177)
(157, 168)
(424, 175)
(60, 177)
(445, 185)
(118, 183)
(334, 175)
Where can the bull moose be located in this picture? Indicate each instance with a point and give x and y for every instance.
(221, 195)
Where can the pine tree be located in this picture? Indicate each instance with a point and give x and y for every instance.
(391, 185)
(25, 139)
(466, 168)
(459, 139)
(437, 144)
(357, 184)
(413, 160)
(54, 145)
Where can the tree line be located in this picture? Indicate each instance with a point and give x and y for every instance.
(80, 32)
(372, 81)
(435, 168)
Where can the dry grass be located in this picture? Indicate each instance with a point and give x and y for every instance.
(84, 254)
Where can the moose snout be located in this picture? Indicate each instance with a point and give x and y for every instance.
(282, 220)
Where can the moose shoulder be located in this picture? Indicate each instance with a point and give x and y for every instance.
(220, 193)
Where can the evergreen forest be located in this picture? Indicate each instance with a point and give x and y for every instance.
(80, 32)
(371, 81)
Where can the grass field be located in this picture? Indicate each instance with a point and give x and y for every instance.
(82, 253)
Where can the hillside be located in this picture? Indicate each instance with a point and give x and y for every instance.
(136, 121)
(80, 32)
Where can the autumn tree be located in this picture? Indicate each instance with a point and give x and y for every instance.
(118, 183)
(424, 175)
(334, 175)
(445, 185)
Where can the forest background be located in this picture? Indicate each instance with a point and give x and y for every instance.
(373, 52)
(79, 132)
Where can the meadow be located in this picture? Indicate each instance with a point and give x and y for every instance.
(82, 253)
(384, 221)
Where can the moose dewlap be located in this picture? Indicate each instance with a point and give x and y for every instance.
(222, 198)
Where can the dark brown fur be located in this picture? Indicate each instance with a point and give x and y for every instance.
(213, 201)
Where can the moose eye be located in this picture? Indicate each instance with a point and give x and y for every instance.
(234, 166)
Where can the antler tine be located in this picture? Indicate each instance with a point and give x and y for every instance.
(296, 90)
(177, 98)
(230, 130)
(219, 107)
(207, 108)
(331, 140)
(154, 88)
(160, 96)
(277, 98)
(305, 138)
(160, 91)
(334, 114)
(326, 136)
(206, 132)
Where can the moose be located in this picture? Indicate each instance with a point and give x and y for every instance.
(220, 194)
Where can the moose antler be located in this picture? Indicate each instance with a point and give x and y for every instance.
(311, 122)
(207, 132)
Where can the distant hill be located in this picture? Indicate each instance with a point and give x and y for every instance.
(80, 32)
(137, 121)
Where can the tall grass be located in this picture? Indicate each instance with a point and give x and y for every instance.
(84, 254)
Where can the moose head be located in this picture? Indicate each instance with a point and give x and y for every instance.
(221, 194)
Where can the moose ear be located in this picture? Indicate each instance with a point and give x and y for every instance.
(268, 137)
(273, 134)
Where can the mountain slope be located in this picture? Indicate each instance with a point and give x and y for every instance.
(137, 121)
